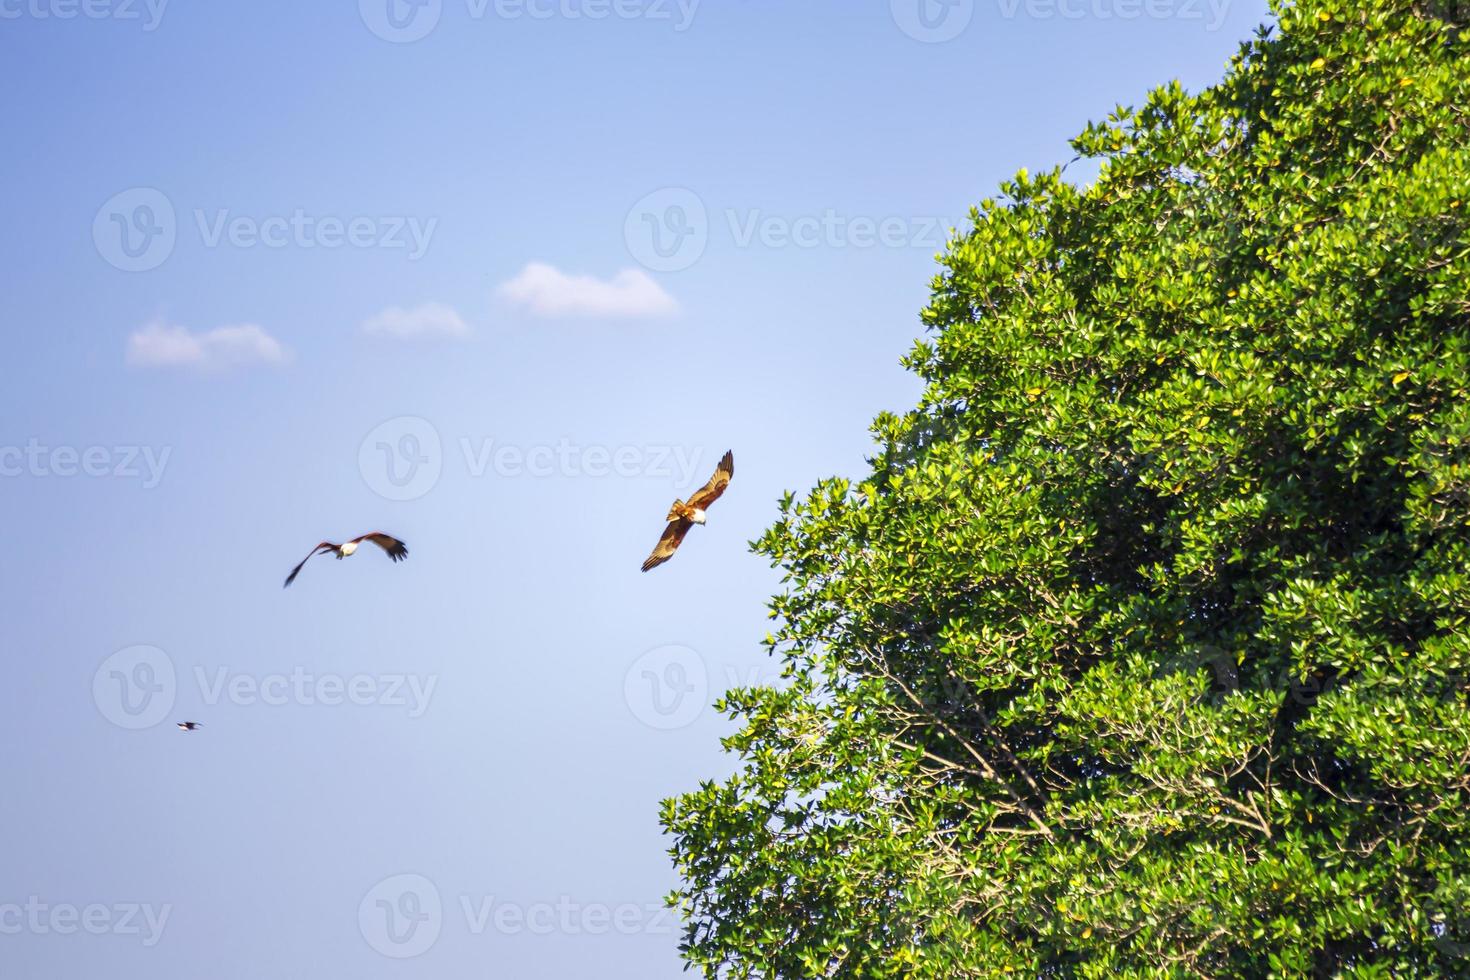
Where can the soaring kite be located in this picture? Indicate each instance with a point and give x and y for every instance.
(396, 550)
(189, 726)
(683, 516)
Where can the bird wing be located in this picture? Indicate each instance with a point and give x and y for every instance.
(395, 549)
(712, 490)
(673, 536)
(324, 546)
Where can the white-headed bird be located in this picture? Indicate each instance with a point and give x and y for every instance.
(394, 548)
(684, 515)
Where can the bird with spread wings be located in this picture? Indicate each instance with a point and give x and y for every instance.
(684, 515)
(394, 548)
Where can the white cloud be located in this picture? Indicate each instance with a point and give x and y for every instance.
(160, 345)
(427, 321)
(548, 292)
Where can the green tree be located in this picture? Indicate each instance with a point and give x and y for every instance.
(1143, 649)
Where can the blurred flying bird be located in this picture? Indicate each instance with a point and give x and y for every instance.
(683, 516)
(395, 549)
(189, 726)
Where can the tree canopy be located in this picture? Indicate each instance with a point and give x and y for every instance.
(1143, 648)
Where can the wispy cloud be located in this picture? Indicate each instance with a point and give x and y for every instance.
(548, 292)
(164, 346)
(432, 320)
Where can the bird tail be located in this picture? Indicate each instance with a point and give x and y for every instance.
(676, 510)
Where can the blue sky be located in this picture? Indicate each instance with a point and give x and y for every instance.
(500, 278)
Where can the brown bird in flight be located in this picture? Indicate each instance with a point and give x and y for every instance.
(683, 516)
(396, 550)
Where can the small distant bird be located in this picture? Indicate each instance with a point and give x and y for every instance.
(189, 726)
(683, 516)
(396, 550)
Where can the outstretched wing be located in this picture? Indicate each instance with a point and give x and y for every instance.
(712, 490)
(319, 549)
(668, 544)
(396, 549)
